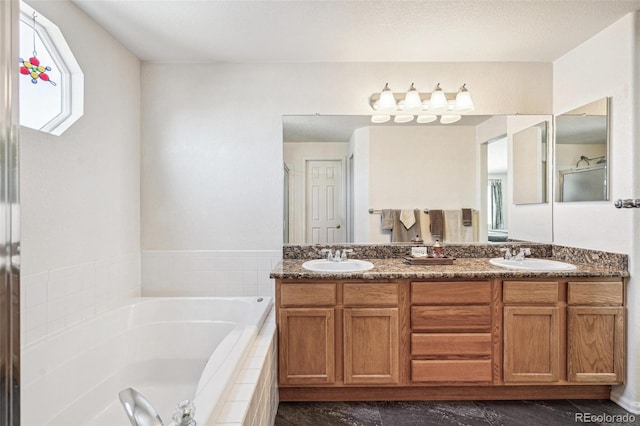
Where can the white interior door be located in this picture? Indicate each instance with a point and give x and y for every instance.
(324, 202)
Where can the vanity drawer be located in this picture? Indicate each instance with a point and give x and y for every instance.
(308, 294)
(451, 344)
(451, 318)
(451, 370)
(530, 292)
(370, 294)
(451, 293)
(595, 293)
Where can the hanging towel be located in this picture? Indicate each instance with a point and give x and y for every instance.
(400, 234)
(425, 224)
(408, 218)
(467, 217)
(386, 219)
(436, 217)
(454, 231)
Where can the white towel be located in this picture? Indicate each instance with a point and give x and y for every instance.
(408, 218)
(454, 232)
(425, 225)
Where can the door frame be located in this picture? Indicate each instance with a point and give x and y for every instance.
(343, 198)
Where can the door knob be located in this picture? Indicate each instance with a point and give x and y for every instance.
(338, 227)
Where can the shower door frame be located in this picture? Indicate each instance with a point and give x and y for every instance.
(9, 217)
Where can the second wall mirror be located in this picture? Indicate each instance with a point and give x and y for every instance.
(582, 147)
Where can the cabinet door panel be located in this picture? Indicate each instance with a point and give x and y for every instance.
(531, 344)
(596, 344)
(307, 346)
(371, 345)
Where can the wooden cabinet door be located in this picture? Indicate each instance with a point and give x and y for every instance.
(371, 345)
(531, 344)
(596, 344)
(307, 346)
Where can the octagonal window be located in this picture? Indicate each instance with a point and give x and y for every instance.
(52, 84)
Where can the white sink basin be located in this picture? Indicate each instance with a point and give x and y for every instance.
(531, 264)
(349, 265)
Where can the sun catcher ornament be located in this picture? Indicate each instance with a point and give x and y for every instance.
(32, 67)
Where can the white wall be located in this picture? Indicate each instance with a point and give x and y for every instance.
(420, 167)
(607, 65)
(212, 146)
(80, 192)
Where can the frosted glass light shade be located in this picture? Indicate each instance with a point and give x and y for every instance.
(426, 118)
(449, 118)
(403, 118)
(438, 102)
(412, 101)
(380, 118)
(387, 102)
(464, 103)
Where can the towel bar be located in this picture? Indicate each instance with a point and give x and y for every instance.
(628, 203)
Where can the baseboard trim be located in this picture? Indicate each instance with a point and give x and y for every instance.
(442, 393)
(626, 403)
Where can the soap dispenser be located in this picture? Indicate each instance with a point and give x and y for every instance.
(437, 250)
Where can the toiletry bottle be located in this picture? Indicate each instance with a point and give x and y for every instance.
(437, 249)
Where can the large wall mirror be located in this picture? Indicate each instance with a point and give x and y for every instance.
(581, 147)
(346, 174)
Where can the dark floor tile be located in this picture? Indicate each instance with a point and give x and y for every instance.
(605, 412)
(458, 413)
(328, 413)
(531, 413)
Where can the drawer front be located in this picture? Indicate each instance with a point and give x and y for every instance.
(451, 318)
(453, 293)
(595, 293)
(308, 294)
(451, 370)
(451, 344)
(530, 292)
(370, 294)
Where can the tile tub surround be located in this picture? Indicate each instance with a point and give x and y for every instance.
(208, 273)
(462, 268)
(59, 298)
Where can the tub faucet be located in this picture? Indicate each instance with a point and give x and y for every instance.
(139, 409)
(142, 413)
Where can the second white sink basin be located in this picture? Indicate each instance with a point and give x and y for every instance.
(532, 264)
(349, 265)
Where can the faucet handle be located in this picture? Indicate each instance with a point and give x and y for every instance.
(507, 252)
(344, 253)
(328, 251)
(185, 411)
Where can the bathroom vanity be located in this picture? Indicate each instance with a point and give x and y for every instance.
(470, 330)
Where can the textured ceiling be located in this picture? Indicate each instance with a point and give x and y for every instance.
(354, 31)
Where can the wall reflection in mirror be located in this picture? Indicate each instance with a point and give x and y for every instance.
(530, 165)
(582, 146)
(353, 181)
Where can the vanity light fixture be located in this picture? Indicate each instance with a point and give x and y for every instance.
(448, 106)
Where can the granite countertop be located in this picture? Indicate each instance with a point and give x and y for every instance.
(462, 268)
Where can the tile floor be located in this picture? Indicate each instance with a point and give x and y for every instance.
(472, 413)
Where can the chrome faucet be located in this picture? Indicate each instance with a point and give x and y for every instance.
(344, 254)
(141, 412)
(522, 253)
(507, 253)
(336, 256)
(139, 409)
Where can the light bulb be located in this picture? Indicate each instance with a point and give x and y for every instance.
(464, 103)
(438, 102)
(387, 102)
(403, 118)
(449, 118)
(380, 118)
(412, 101)
(426, 118)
